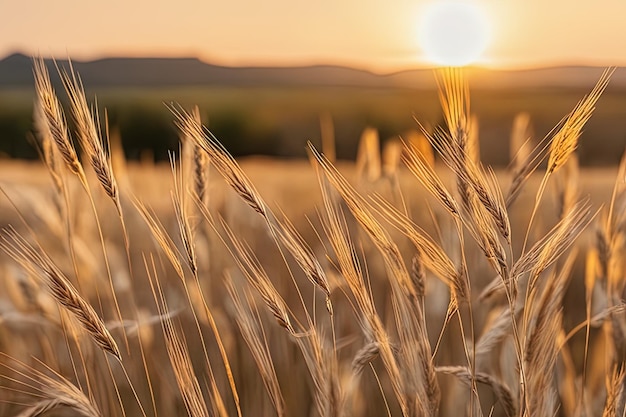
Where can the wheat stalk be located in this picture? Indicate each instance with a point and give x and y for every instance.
(420, 390)
(251, 329)
(321, 364)
(237, 179)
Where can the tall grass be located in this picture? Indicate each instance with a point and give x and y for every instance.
(428, 295)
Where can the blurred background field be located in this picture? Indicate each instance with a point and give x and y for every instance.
(266, 125)
(275, 111)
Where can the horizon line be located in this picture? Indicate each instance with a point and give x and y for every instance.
(280, 64)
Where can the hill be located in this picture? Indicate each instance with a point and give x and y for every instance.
(16, 71)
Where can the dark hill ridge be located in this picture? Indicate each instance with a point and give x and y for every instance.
(16, 71)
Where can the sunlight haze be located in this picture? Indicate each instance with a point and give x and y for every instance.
(375, 35)
(454, 33)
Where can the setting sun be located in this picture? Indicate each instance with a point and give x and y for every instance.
(453, 33)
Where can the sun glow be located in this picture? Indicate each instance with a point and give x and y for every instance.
(454, 33)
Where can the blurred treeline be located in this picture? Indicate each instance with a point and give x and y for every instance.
(278, 121)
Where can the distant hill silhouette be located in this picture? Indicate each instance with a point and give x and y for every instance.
(16, 71)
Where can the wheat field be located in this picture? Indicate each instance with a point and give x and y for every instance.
(416, 282)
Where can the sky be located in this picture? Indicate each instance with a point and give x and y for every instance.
(379, 35)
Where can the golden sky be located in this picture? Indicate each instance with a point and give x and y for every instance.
(380, 35)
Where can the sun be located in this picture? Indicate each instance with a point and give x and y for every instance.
(454, 33)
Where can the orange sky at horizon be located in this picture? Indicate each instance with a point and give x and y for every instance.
(368, 34)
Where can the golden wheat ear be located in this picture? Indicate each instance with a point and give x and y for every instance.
(49, 388)
(36, 261)
(55, 119)
(502, 391)
(88, 130)
(614, 393)
(520, 141)
(565, 142)
(368, 163)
